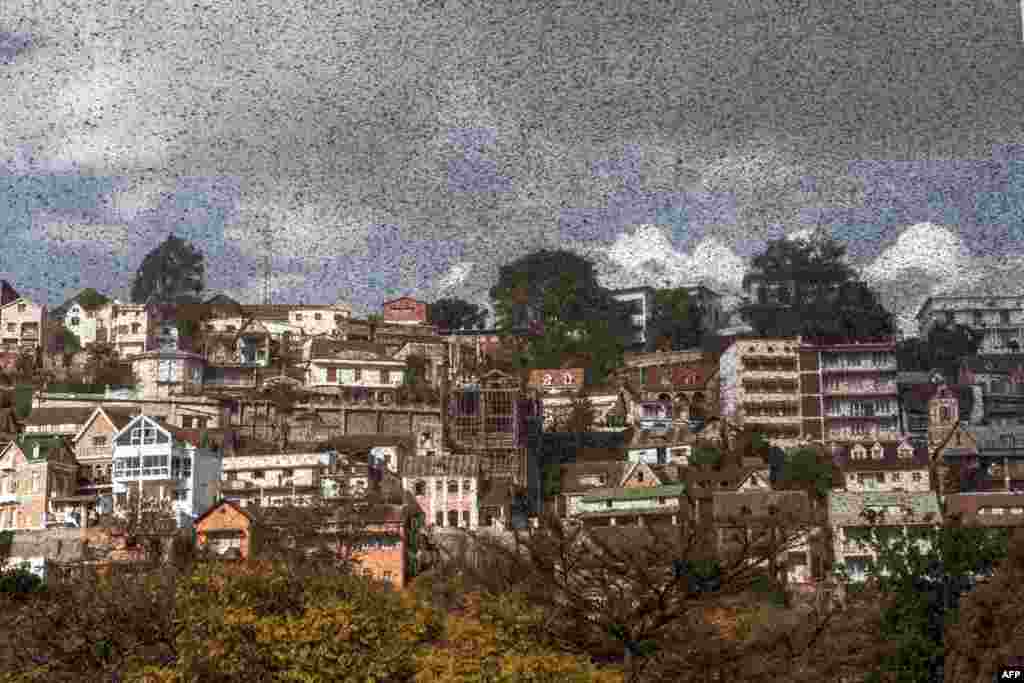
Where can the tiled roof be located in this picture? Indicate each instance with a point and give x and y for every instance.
(48, 443)
(846, 507)
(120, 416)
(55, 416)
(648, 438)
(497, 493)
(639, 493)
(442, 466)
(572, 473)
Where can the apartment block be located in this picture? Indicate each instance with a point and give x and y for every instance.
(21, 324)
(849, 392)
(760, 387)
(999, 318)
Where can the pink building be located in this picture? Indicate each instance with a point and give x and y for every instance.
(447, 489)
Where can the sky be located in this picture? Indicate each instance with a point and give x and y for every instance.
(378, 148)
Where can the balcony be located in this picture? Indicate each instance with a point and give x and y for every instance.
(789, 398)
(846, 415)
(237, 485)
(860, 389)
(229, 382)
(848, 435)
(860, 367)
(772, 419)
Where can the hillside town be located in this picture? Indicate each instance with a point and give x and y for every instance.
(399, 413)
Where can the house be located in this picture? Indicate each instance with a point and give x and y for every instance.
(130, 327)
(641, 496)
(386, 547)
(896, 512)
(688, 380)
(93, 445)
(7, 293)
(56, 420)
(577, 479)
(999, 318)
(34, 469)
(989, 457)
(848, 391)
(760, 387)
(878, 466)
(447, 489)
(405, 311)
(21, 325)
(289, 476)
(164, 373)
(640, 303)
(658, 447)
(313, 320)
(164, 462)
(433, 350)
(999, 510)
(361, 369)
(89, 317)
(999, 383)
(745, 518)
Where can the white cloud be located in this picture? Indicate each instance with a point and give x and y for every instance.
(646, 256)
(931, 248)
(455, 276)
(80, 233)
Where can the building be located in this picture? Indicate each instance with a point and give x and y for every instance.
(164, 373)
(997, 510)
(185, 411)
(93, 445)
(57, 420)
(291, 476)
(360, 369)
(689, 379)
(760, 387)
(130, 327)
(227, 530)
(313, 320)
(878, 466)
(34, 469)
(21, 324)
(640, 301)
(849, 391)
(405, 311)
(897, 512)
(163, 462)
(999, 318)
(90, 321)
(447, 488)
(999, 385)
(661, 447)
(644, 495)
(7, 293)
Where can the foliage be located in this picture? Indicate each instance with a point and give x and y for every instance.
(103, 366)
(19, 581)
(676, 321)
(806, 287)
(708, 456)
(804, 468)
(921, 579)
(456, 314)
(943, 349)
(90, 299)
(144, 519)
(173, 272)
(556, 294)
(23, 400)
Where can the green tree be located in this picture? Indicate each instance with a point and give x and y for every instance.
(171, 273)
(706, 456)
(805, 468)
(556, 294)
(67, 343)
(921, 577)
(456, 314)
(806, 287)
(675, 322)
(104, 366)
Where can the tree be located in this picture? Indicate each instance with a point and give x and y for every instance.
(456, 314)
(104, 366)
(146, 520)
(172, 273)
(676, 321)
(805, 287)
(943, 349)
(67, 343)
(921, 578)
(706, 456)
(806, 469)
(557, 296)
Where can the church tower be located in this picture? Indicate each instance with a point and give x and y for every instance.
(943, 414)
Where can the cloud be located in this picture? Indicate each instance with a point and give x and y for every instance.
(455, 276)
(75, 234)
(927, 247)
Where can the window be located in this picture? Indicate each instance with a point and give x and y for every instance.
(181, 495)
(338, 317)
(258, 474)
(332, 374)
(661, 500)
(21, 308)
(897, 476)
(144, 434)
(1004, 317)
(74, 322)
(944, 414)
(858, 452)
(439, 486)
(640, 475)
(453, 518)
(420, 488)
(453, 486)
(388, 576)
(608, 504)
(915, 476)
(357, 375)
(11, 327)
(877, 451)
(465, 518)
(186, 421)
(287, 474)
(467, 485)
(298, 316)
(99, 441)
(317, 316)
(439, 518)
(136, 327)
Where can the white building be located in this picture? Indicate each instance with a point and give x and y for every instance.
(883, 467)
(999, 318)
(21, 324)
(129, 327)
(447, 489)
(899, 513)
(159, 461)
(274, 479)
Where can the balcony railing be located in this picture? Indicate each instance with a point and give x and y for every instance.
(855, 389)
(860, 367)
(229, 382)
(847, 435)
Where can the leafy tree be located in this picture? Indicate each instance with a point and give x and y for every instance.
(19, 581)
(104, 366)
(943, 349)
(90, 299)
(805, 287)
(676, 321)
(172, 273)
(147, 521)
(556, 294)
(921, 578)
(805, 468)
(706, 456)
(456, 314)
(67, 343)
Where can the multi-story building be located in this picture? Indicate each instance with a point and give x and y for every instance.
(640, 301)
(130, 327)
(157, 460)
(34, 469)
(644, 495)
(446, 488)
(355, 367)
(849, 392)
(93, 444)
(21, 324)
(883, 466)
(166, 373)
(315, 320)
(760, 387)
(690, 380)
(275, 479)
(999, 318)
(999, 384)
(56, 420)
(998, 510)
(7, 293)
(405, 311)
(897, 513)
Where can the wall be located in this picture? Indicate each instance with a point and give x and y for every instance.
(434, 500)
(906, 481)
(405, 310)
(86, 452)
(206, 468)
(32, 315)
(385, 563)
